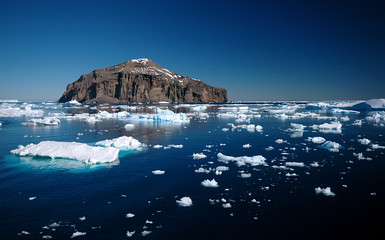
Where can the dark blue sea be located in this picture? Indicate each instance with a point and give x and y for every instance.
(44, 198)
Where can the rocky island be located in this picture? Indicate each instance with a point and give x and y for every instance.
(141, 81)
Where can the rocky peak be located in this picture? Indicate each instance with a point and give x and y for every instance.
(140, 80)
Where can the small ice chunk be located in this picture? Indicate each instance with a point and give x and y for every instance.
(123, 143)
(279, 141)
(145, 233)
(184, 202)
(245, 175)
(31, 198)
(78, 234)
(158, 172)
(316, 139)
(129, 126)
(360, 156)
(130, 215)
(199, 156)
(226, 205)
(210, 183)
(331, 146)
(364, 141)
(325, 191)
(82, 218)
(294, 164)
(130, 234)
(157, 146)
(269, 148)
(202, 170)
(253, 161)
(332, 126)
(246, 145)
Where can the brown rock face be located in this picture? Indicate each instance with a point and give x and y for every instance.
(140, 80)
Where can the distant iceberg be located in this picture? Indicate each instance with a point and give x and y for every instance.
(123, 143)
(373, 104)
(240, 161)
(70, 150)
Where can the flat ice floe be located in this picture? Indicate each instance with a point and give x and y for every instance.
(199, 156)
(70, 150)
(47, 121)
(123, 143)
(158, 172)
(316, 139)
(240, 161)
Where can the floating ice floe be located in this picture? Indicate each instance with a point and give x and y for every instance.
(297, 127)
(325, 191)
(295, 164)
(199, 156)
(9, 110)
(330, 126)
(70, 150)
(161, 115)
(184, 202)
(210, 183)
(130, 215)
(316, 139)
(360, 156)
(364, 141)
(226, 205)
(146, 232)
(331, 146)
(158, 172)
(123, 143)
(47, 121)
(173, 146)
(202, 170)
(130, 234)
(246, 145)
(240, 161)
(245, 175)
(198, 108)
(78, 234)
(279, 141)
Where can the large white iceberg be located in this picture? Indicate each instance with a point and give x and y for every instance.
(123, 143)
(253, 161)
(70, 150)
(184, 202)
(10, 110)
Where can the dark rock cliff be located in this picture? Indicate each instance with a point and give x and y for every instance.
(140, 80)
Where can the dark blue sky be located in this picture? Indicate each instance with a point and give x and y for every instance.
(257, 50)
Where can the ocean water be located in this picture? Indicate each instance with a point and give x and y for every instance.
(43, 198)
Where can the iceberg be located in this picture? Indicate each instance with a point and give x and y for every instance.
(240, 161)
(330, 126)
(123, 143)
(70, 150)
(158, 172)
(199, 156)
(364, 141)
(9, 110)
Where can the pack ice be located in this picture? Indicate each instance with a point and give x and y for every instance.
(70, 150)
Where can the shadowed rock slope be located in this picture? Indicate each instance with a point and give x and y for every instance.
(142, 81)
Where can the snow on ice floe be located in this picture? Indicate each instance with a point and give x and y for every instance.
(325, 191)
(69, 150)
(331, 146)
(123, 143)
(199, 156)
(240, 161)
(210, 183)
(184, 202)
(158, 172)
(316, 139)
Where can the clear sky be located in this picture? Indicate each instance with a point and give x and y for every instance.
(257, 50)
